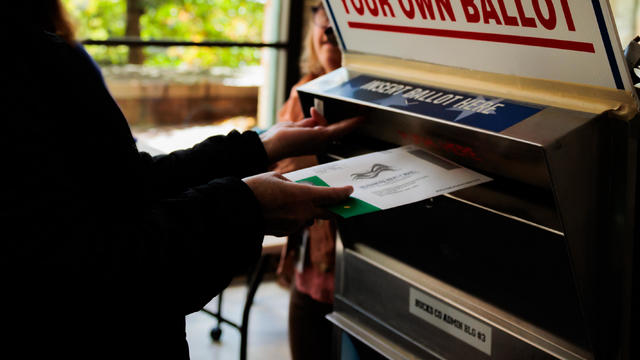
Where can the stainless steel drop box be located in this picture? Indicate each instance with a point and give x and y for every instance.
(536, 264)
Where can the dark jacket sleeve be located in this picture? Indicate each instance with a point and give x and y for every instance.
(100, 222)
(237, 155)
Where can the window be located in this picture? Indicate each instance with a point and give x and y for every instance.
(183, 70)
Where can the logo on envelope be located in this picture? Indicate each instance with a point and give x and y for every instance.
(376, 169)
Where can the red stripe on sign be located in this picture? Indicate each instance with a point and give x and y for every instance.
(471, 35)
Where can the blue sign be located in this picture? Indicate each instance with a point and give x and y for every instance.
(493, 114)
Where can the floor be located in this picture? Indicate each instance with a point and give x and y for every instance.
(267, 326)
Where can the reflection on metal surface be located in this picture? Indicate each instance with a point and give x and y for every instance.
(369, 337)
(506, 215)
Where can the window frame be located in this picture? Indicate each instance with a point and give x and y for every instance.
(288, 14)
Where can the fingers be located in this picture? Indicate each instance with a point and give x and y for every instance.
(288, 206)
(324, 196)
(321, 195)
(343, 127)
(315, 114)
(320, 135)
(279, 176)
(308, 122)
(316, 119)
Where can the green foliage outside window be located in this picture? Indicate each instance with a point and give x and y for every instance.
(183, 20)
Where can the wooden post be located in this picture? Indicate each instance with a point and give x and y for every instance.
(135, 10)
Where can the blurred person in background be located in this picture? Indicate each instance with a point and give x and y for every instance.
(105, 249)
(309, 257)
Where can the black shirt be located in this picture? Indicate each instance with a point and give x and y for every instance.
(104, 249)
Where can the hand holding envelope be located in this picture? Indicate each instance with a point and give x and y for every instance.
(286, 206)
(386, 179)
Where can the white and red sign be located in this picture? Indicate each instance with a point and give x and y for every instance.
(567, 40)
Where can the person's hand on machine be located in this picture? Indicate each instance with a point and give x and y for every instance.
(305, 137)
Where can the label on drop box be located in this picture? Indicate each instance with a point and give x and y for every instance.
(450, 320)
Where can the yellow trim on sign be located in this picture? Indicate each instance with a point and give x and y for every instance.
(592, 99)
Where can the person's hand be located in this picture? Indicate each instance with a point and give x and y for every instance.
(305, 137)
(294, 163)
(288, 206)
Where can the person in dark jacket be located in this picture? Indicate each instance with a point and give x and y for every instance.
(105, 249)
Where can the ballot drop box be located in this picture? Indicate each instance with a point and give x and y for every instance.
(535, 264)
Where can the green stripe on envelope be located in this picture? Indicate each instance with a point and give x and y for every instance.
(314, 180)
(350, 207)
(353, 207)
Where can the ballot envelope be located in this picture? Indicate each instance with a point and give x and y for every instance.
(535, 264)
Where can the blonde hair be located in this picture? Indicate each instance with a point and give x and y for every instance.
(309, 62)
